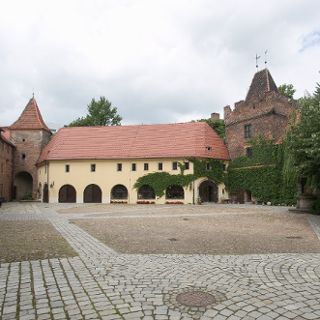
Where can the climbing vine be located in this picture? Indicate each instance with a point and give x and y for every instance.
(265, 174)
(160, 181)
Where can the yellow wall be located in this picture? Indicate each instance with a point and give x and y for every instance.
(106, 177)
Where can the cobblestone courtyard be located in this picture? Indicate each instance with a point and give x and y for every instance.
(101, 283)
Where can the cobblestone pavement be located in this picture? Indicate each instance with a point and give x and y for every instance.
(101, 284)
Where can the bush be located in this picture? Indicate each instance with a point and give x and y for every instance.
(316, 206)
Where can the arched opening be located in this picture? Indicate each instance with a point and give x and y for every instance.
(175, 192)
(146, 192)
(208, 191)
(67, 194)
(92, 194)
(23, 185)
(45, 194)
(119, 192)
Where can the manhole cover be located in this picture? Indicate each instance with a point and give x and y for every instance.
(294, 237)
(196, 299)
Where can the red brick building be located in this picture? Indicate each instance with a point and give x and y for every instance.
(6, 165)
(29, 134)
(264, 112)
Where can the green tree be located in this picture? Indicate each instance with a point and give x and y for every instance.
(216, 124)
(304, 141)
(287, 90)
(100, 113)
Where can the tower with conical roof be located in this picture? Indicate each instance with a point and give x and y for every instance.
(29, 134)
(264, 112)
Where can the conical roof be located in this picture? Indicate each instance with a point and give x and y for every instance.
(30, 118)
(262, 82)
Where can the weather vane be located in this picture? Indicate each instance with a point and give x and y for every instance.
(265, 57)
(257, 58)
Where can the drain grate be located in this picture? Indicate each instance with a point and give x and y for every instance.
(173, 239)
(196, 299)
(293, 237)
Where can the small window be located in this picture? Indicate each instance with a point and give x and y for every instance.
(23, 140)
(93, 167)
(134, 167)
(209, 148)
(186, 165)
(23, 156)
(146, 166)
(249, 152)
(67, 168)
(174, 165)
(247, 131)
(119, 166)
(160, 166)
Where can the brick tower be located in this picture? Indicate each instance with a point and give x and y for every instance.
(264, 112)
(29, 134)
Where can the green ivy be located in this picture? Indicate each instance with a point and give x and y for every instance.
(160, 181)
(265, 175)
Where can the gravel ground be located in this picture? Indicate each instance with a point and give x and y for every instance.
(208, 232)
(31, 240)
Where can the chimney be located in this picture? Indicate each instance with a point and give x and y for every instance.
(215, 116)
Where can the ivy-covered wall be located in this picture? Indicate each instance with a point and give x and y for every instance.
(160, 181)
(263, 174)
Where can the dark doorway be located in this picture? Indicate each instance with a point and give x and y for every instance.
(23, 185)
(45, 194)
(67, 194)
(92, 194)
(208, 191)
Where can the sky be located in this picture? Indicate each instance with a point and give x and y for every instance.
(157, 61)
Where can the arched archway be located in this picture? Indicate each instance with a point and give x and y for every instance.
(208, 191)
(92, 194)
(67, 194)
(175, 192)
(23, 185)
(146, 192)
(119, 192)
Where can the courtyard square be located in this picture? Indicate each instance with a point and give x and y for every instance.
(159, 262)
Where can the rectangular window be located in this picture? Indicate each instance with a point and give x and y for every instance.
(174, 165)
(160, 166)
(247, 131)
(146, 166)
(134, 167)
(119, 166)
(186, 165)
(67, 168)
(1, 190)
(93, 167)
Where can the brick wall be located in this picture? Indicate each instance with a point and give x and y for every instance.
(268, 116)
(29, 144)
(6, 157)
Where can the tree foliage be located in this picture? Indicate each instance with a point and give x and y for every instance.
(100, 113)
(216, 124)
(287, 90)
(304, 140)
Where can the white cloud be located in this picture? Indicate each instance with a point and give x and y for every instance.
(156, 60)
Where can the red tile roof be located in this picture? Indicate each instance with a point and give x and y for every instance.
(30, 118)
(180, 140)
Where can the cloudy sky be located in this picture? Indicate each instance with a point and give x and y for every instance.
(157, 61)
